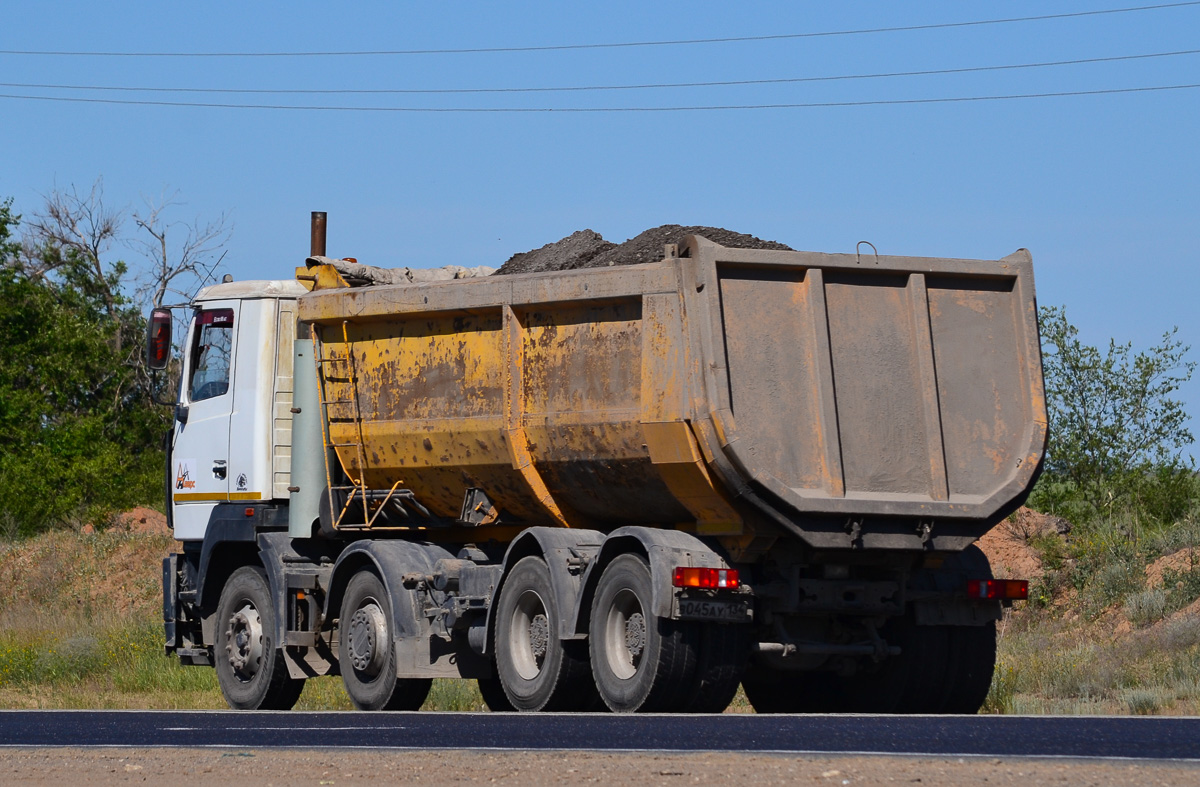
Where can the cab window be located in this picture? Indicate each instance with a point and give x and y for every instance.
(212, 348)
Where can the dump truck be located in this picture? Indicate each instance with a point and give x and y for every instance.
(629, 488)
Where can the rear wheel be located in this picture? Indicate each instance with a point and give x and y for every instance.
(493, 695)
(723, 651)
(538, 670)
(785, 691)
(641, 662)
(910, 682)
(972, 654)
(971, 649)
(367, 650)
(250, 668)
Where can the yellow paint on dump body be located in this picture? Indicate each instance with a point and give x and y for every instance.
(676, 456)
(552, 412)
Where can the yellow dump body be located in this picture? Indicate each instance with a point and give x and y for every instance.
(880, 403)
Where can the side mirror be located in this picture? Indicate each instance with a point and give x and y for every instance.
(158, 339)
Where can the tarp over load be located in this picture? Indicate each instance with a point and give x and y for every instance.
(358, 275)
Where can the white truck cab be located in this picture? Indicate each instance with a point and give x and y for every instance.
(232, 435)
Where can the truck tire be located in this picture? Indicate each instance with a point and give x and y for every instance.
(250, 668)
(971, 649)
(911, 682)
(724, 649)
(367, 650)
(538, 671)
(641, 663)
(972, 658)
(493, 695)
(786, 691)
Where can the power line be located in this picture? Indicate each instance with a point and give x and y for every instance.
(615, 45)
(524, 110)
(726, 83)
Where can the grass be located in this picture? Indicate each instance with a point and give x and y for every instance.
(1097, 636)
(1058, 666)
(123, 666)
(79, 628)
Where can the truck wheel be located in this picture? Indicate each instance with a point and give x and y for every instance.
(537, 670)
(494, 696)
(786, 691)
(724, 649)
(911, 682)
(973, 662)
(971, 649)
(250, 669)
(367, 650)
(641, 662)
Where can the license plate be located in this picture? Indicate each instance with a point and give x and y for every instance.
(707, 609)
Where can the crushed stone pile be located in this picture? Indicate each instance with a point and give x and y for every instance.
(588, 249)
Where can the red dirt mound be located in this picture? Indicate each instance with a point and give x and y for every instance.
(1007, 544)
(138, 520)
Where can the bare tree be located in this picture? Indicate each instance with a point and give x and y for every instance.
(179, 268)
(72, 239)
(77, 229)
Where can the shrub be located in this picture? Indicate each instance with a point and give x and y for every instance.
(1143, 702)
(1146, 607)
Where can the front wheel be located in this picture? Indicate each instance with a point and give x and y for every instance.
(250, 668)
(367, 650)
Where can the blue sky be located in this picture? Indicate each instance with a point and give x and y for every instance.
(1103, 189)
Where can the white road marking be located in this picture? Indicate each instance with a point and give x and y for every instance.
(298, 729)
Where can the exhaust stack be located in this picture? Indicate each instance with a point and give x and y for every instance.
(317, 246)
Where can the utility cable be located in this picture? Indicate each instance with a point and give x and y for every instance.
(522, 110)
(582, 88)
(615, 45)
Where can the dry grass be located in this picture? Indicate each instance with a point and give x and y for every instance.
(1068, 666)
(1114, 626)
(79, 628)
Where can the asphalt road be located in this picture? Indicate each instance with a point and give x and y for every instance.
(999, 736)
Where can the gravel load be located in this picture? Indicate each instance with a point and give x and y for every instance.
(587, 249)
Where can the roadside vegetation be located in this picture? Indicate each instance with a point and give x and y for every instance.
(1113, 621)
(80, 435)
(1112, 625)
(80, 627)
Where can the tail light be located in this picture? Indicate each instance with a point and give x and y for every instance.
(691, 577)
(998, 589)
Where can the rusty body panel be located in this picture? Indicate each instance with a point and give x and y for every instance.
(888, 402)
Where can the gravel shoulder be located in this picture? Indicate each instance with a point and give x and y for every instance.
(85, 767)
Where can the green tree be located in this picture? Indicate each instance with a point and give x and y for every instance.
(78, 436)
(9, 247)
(1117, 431)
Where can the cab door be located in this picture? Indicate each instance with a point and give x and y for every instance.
(200, 453)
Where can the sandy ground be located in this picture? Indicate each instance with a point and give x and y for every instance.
(84, 767)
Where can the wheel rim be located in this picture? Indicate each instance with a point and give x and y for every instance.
(244, 642)
(530, 641)
(367, 638)
(626, 634)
